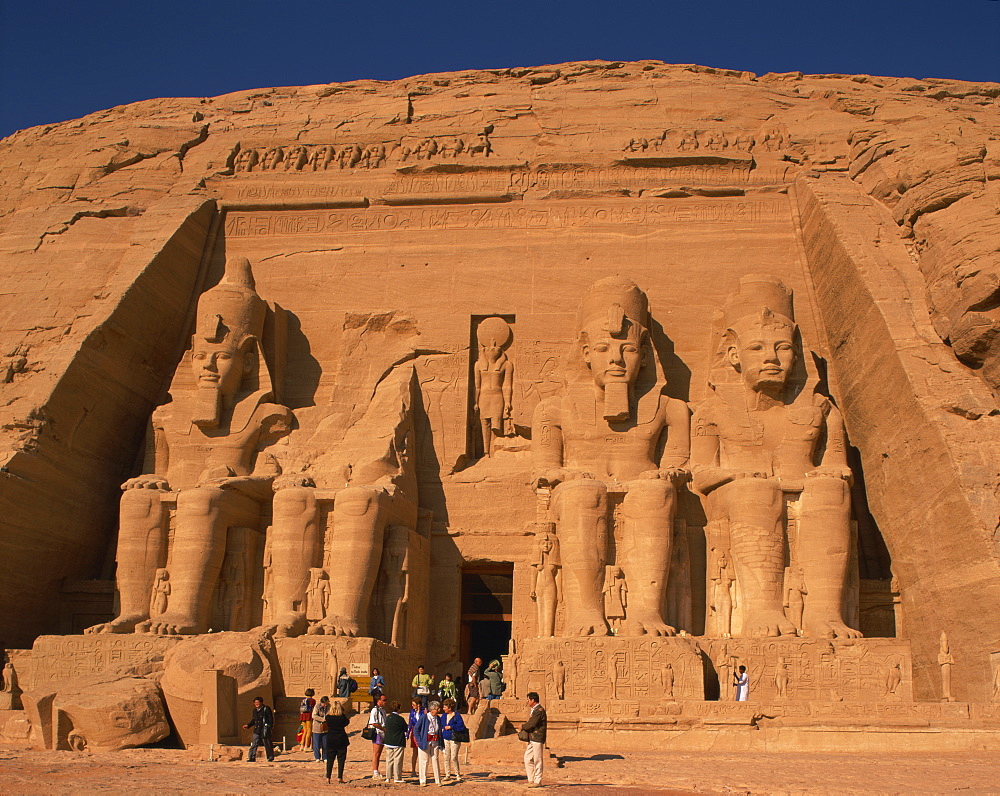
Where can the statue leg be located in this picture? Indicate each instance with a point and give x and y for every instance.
(823, 548)
(755, 507)
(647, 535)
(358, 529)
(142, 549)
(295, 548)
(204, 515)
(486, 427)
(582, 528)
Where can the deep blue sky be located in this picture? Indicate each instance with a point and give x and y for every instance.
(61, 59)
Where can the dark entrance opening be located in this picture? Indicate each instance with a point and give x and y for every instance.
(487, 600)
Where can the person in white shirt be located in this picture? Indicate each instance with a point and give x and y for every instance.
(741, 680)
(376, 719)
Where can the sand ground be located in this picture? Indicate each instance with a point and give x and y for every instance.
(169, 771)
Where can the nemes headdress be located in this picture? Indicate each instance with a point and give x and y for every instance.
(232, 311)
(617, 300)
(759, 300)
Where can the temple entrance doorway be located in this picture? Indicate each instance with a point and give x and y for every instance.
(487, 600)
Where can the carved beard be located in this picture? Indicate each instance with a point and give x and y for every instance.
(208, 407)
(616, 401)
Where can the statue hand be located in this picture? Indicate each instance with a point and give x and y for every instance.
(293, 480)
(147, 482)
(475, 407)
(549, 478)
(534, 596)
(841, 471)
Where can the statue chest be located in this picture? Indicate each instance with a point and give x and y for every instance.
(771, 429)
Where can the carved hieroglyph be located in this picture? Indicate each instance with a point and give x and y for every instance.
(204, 461)
(614, 430)
(769, 458)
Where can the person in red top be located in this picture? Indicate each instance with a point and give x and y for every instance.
(306, 720)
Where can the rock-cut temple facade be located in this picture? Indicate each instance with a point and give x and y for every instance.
(624, 374)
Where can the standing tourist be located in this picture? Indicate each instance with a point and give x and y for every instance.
(454, 732)
(262, 720)
(336, 739)
(416, 711)
(495, 680)
(376, 720)
(533, 733)
(447, 688)
(429, 742)
(305, 720)
(395, 744)
(319, 728)
(472, 687)
(377, 685)
(345, 685)
(422, 686)
(741, 681)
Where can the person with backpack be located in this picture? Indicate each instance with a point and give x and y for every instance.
(345, 685)
(305, 720)
(495, 680)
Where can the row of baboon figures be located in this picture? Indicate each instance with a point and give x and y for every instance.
(765, 452)
(358, 156)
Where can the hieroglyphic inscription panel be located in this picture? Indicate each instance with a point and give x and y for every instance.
(590, 673)
(563, 215)
(62, 657)
(801, 669)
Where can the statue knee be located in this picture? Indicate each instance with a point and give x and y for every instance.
(199, 502)
(356, 501)
(758, 492)
(139, 503)
(584, 493)
(293, 502)
(649, 495)
(827, 492)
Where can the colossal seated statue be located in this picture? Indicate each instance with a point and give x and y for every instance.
(769, 459)
(335, 521)
(204, 458)
(614, 430)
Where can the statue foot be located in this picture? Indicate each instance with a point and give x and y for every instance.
(288, 625)
(829, 628)
(122, 624)
(647, 625)
(170, 625)
(586, 623)
(768, 623)
(335, 626)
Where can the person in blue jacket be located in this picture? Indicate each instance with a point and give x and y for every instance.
(416, 711)
(452, 725)
(429, 742)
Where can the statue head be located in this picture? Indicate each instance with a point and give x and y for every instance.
(225, 346)
(760, 342)
(613, 324)
(493, 335)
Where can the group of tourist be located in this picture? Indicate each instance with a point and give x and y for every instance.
(434, 729)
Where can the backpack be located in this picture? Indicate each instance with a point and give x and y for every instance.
(352, 685)
(304, 706)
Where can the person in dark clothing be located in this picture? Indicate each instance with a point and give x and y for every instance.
(346, 685)
(262, 720)
(395, 744)
(336, 739)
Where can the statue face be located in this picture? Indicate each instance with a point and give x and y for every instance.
(764, 355)
(612, 359)
(217, 366)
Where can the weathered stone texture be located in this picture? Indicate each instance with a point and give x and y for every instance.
(384, 223)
